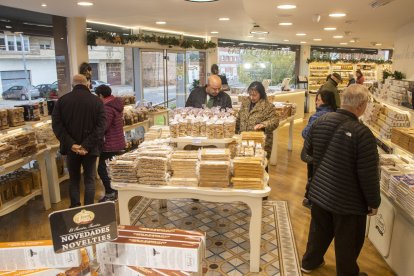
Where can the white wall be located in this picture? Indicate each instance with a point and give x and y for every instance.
(403, 59)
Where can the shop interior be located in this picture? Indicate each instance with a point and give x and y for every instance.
(153, 54)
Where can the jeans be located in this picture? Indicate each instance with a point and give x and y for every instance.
(88, 163)
(103, 170)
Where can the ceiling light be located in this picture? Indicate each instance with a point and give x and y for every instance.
(44, 5)
(343, 43)
(303, 42)
(300, 34)
(285, 24)
(224, 19)
(201, 1)
(378, 44)
(88, 28)
(262, 38)
(160, 22)
(317, 39)
(329, 29)
(337, 14)
(8, 27)
(352, 41)
(286, 40)
(250, 36)
(286, 7)
(258, 30)
(85, 4)
(214, 32)
(338, 36)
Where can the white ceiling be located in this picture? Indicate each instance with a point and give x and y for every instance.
(365, 23)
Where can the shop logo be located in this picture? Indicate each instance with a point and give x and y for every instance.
(83, 217)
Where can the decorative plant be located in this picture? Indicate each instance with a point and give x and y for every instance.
(354, 61)
(399, 75)
(195, 84)
(386, 74)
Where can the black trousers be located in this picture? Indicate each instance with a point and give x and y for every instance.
(88, 163)
(103, 170)
(349, 234)
(310, 175)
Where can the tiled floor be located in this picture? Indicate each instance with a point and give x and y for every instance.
(227, 228)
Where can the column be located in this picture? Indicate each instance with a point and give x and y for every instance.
(304, 55)
(77, 43)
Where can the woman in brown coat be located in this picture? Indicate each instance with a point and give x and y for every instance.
(258, 114)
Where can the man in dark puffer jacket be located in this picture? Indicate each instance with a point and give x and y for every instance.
(345, 186)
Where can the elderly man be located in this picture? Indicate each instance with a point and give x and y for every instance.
(331, 85)
(209, 95)
(78, 121)
(345, 183)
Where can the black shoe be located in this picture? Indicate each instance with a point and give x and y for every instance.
(195, 200)
(306, 203)
(75, 205)
(109, 197)
(362, 274)
(307, 271)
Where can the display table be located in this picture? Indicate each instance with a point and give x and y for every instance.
(145, 124)
(253, 198)
(153, 115)
(12, 205)
(290, 120)
(201, 141)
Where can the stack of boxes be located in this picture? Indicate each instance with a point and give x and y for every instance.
(395, 91)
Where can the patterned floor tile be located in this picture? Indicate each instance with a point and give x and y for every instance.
(227, 229)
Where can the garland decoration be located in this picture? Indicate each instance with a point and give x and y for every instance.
(162, 40)
(354, 61)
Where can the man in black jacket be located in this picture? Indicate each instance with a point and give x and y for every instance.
(345, 184)
(78, 121)
(209, 95)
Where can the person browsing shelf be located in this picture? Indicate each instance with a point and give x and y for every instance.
(360, 77)
(209, 96)
(224, 84)
(331, 85)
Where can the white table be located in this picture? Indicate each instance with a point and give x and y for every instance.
(290, 120)
(253, 198)
(201, 141)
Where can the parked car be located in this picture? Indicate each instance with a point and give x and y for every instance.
(96, 83)
(21, 92)
(45, 89)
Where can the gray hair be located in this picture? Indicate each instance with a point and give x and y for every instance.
(79, 79)
(355, 95)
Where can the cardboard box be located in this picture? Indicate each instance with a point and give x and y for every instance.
(35, 255)
(186, 256)
(120, 270)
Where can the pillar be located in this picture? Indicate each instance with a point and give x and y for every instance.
(77, 43)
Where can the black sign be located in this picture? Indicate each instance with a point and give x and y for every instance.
(83, 226)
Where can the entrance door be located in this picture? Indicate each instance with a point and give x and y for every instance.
(153, 76)
(175, 79)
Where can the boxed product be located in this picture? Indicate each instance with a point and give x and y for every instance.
(34, 255)
(178, 255)
(122, 270)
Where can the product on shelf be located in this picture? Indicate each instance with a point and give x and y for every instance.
(15, 116)
(215, 154)
(153, 164)
(256, 136)
(45, 134)
(248, 173)
(4, 123)
(184, 168)
(157, 132)
(404, 138)
(19, 183)
(394, 92)
(214, 173)
(127, 99)
(284, 109)
(123, 168)
(133, 115)
(317, 75)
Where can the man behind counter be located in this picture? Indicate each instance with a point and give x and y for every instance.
(209, 95)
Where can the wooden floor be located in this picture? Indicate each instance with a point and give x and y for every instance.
(287, 181)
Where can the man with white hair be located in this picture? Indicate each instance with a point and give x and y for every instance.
(345, 183)
(78, 121)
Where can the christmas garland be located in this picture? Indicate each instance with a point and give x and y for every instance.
(354, 61)
(162, 40)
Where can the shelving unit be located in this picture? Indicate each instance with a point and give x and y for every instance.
(17, 202)
(343, 69)
(317, 75)
(369, 70)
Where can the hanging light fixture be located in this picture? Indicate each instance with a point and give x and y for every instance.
(257, 30)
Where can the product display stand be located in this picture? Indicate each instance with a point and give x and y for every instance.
(201, 141)
(12, 205)
(153, 115)
(145, 124)
(253, 198)
(290, 120)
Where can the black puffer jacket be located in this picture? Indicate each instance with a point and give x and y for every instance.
(346, 178)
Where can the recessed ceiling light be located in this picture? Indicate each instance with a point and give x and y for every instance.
(262, 38)
(329, 29)
(300, 34)
(88, 28)
(224, 19)
(85, 4)
(285, 24)
(352, 41)
(286, 40)
(44, 5)
(160, 22)
(338, 36)
(343, 43)
(337, 14)
(214, 32)
(200, 1)
(303, 42)
(286, 7)
(250, 36)
(8, 27)
(378, 44)
(317, 39)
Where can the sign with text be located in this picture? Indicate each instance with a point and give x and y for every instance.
(83, 226)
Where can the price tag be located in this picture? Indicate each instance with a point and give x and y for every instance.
(196, 141)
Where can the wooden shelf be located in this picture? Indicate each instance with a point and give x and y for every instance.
(17, 202)
(143, 124)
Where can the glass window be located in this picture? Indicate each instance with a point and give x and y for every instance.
(19, 44)
(11, 43)
(2, 43)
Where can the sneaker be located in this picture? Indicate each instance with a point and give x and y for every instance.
(306, 203)
(109, 197)
(304, 270)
